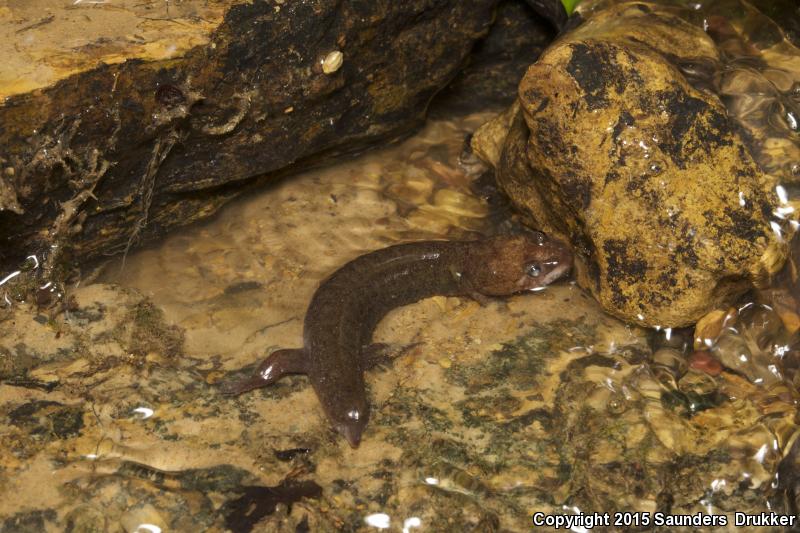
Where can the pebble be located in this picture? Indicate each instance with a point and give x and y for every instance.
(703, 361)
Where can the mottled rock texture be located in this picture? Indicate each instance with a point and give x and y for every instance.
(614, 149)
(120, 152)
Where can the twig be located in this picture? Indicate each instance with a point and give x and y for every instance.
(47, 20)
(161, 150)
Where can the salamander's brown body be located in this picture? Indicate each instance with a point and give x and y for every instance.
(349, 304)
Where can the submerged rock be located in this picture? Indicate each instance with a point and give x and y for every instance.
(620, 146)
(536, 404)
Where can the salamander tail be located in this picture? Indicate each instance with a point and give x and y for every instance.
(277, 364)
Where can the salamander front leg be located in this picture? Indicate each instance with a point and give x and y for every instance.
(468, 288)
(473, 293)
(277, 364)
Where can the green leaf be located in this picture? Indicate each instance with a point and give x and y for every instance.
(570, 5)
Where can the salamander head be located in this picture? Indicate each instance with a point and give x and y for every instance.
(350, 421)
(508, 264)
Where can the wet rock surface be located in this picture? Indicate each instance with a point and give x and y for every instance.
(621, 146)
(785, 13)
(112, 155)
(497, 62)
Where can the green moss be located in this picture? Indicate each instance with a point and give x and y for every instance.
(434, 419)
(479, 410)
(48, 420)
(29, 521)
(520, 363)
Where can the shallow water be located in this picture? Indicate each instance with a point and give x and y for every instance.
(541, 403)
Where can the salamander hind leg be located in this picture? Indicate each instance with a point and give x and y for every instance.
(277, 364)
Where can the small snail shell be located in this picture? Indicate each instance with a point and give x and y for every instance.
(332, 62)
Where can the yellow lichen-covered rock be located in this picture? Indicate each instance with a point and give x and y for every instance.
(489, 140)
(640, 168)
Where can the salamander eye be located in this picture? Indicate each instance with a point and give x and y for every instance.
(533, 270)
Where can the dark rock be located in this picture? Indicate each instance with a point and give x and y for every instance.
(257, 502)
(28, 521)
(785, 13)
(121, 153)
(48, 419)
(497, 62)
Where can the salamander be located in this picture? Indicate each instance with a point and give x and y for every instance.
(347, 306)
